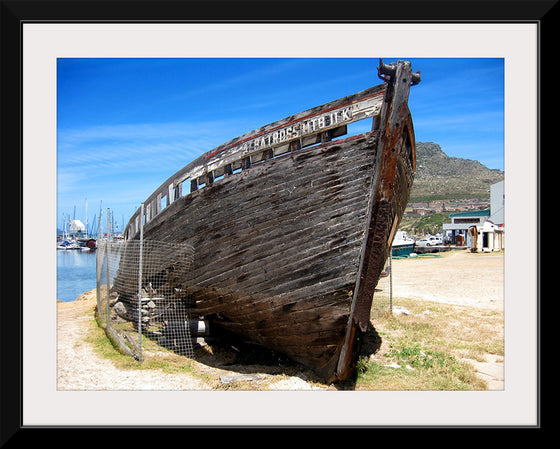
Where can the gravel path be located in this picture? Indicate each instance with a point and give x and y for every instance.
(81, 368)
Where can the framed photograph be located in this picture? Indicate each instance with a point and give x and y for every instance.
(52, 152)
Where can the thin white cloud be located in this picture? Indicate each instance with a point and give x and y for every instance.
(137, 145)
(122, 165)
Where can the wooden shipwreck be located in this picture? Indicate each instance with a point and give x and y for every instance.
(292, 224)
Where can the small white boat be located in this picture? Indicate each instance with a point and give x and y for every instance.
(402, 245)
(68, 245)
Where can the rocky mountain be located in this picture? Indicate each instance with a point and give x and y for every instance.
(440, 177)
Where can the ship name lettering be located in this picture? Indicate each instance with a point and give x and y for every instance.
(298, 130)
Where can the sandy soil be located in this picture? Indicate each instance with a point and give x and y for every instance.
(81, 368)
(458, 277)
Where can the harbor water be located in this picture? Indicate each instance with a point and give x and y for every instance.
(75, 273)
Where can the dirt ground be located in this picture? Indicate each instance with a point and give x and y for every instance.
(80, 367)
(457, 277)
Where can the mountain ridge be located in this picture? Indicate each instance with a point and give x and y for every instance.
(441, 177)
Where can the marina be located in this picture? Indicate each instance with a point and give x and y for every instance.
(75, 274)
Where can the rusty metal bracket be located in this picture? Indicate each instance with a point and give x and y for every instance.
(386, 72)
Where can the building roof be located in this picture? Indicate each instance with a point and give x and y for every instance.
(472, 213)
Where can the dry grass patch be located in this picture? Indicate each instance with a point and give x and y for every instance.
(425, 349)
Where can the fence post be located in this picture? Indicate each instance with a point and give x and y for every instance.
(108, 270)
(391, 280)
(140, 283)
(99, 255)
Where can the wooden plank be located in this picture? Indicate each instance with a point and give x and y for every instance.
(251, 226)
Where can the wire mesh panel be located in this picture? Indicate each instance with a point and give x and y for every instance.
(142, 293)
(383, 295)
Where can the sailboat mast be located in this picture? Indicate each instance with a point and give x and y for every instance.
(99, 233)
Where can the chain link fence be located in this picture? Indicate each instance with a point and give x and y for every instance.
(142, 294)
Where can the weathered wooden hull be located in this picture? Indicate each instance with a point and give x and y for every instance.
(288, 252)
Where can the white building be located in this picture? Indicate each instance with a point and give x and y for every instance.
(76, 228)
(481, 230)
(457, 232)
(497, 201)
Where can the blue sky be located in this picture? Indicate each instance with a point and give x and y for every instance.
(125, 125)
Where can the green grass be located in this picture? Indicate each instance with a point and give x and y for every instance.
(427, 351)
(154, 356)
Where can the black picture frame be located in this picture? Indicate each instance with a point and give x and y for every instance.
(16, 13)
